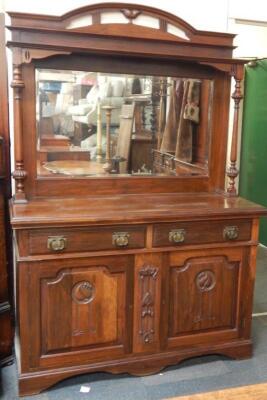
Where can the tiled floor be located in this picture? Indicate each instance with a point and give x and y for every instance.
(201, 374)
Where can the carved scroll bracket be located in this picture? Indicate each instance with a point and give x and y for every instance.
(232, 171)
(34, 54)
(17, 85)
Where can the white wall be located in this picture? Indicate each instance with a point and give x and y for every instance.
(249, 21)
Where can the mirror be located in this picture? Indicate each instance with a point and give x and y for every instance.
(104, 124)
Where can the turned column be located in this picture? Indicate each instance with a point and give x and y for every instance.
(99, 133)
(19, 173)
(162, 109)
(153, 115)
(107, 167)
(237, 96)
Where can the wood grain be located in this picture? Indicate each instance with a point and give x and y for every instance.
(79, 240)
(201, 232)
(101, 210)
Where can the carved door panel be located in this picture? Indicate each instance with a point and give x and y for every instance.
(147, 300)
(82, 310)
(203, 291)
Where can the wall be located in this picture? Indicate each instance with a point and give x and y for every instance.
(254, 140)
(249, 21)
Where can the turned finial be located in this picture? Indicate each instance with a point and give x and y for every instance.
(19, 173)
(237, 96)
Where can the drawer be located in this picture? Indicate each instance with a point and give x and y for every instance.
(86, 239)
(179, 233)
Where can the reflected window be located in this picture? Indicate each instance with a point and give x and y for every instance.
(101, 124)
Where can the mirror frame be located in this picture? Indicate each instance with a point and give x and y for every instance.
(49, 42)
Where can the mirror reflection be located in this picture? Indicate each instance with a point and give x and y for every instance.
(101, 124)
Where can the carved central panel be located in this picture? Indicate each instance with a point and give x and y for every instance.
(83, 292)
(205, 281)
(148, 276)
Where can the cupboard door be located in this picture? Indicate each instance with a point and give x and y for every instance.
(81, 309)
(203, 289)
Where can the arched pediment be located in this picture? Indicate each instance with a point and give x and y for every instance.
(120, 28)
(122, 19)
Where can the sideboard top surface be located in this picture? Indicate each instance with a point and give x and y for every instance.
(96, 210)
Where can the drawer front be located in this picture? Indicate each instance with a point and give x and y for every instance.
(183, 233)
(86, 239)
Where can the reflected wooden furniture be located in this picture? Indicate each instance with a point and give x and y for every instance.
(167, 163)
(141, 151)
(80, 130)
(54, 140)
(52, 153)
(73, 167)
(124, 140)
(46, 127)
(133, 273)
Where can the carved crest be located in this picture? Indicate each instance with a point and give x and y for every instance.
(130, 14)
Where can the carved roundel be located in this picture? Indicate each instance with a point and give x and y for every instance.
(83, 292)
(205, 280)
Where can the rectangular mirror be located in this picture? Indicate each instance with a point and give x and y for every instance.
(104, 124)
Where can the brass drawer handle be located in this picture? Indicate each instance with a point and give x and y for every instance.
(120, 239)
(177, 236)
(230, 232)
(56, 243)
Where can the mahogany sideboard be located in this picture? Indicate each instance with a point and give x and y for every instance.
(6, 306)
(122, 269)
(6, 331)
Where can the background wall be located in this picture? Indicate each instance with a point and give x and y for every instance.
(254, 140)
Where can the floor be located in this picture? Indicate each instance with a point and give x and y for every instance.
(203, 374)
(251, 392)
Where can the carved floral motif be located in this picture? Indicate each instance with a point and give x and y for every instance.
(205, 280)
(148, 276)
(83, 292)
